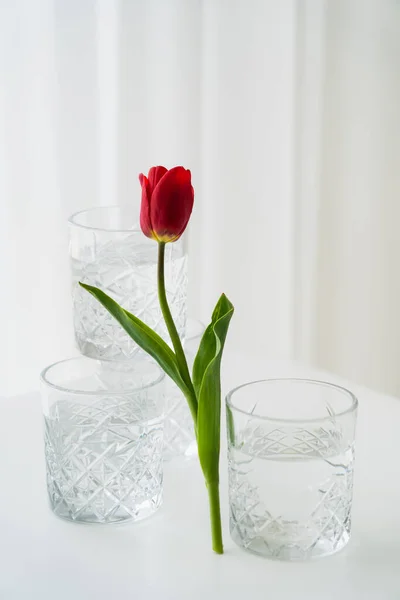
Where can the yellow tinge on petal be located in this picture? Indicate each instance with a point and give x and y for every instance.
(165, 237)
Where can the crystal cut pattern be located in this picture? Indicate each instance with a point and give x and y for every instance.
(179, 436)
(290, 491)
(126, 270)
(104, 459)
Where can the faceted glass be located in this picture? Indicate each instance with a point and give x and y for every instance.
(179, 436)
(108, 250)
(291, 459)
(103, 433)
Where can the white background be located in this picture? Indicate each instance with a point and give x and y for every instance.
(287, 114)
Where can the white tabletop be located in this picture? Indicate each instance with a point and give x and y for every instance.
(168, 557)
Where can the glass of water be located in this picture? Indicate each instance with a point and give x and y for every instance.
(291, 459)
(108, 250)
(179, 435)
(103, 435)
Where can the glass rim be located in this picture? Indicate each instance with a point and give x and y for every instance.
(69, 390)
(72, 220)
(339, 388)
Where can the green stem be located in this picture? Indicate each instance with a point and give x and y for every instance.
(212, 487)
(215, 515)
(176, 342)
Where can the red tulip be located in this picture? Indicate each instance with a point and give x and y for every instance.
(167, 202)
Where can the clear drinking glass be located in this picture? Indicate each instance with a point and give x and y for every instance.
(108, 250)
(291, 458)
(179, 436)
(103, 440)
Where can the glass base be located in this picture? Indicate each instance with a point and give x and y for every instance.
(283, 548)
(119, 515)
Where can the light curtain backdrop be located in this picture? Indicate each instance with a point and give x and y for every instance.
(286, 112)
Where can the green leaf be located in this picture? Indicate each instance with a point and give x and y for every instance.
(206, 351)
(143, 335)
(207, 383)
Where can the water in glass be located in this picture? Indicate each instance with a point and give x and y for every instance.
(291, 492)
(104, 463)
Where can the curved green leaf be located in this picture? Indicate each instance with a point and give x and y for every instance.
(143, 335)
(207, 382)
(207, 347)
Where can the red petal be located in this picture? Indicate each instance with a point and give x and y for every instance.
(154, 176)
(145, 222)
(171, 204)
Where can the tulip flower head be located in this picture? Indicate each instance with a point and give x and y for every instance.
(167, 202)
